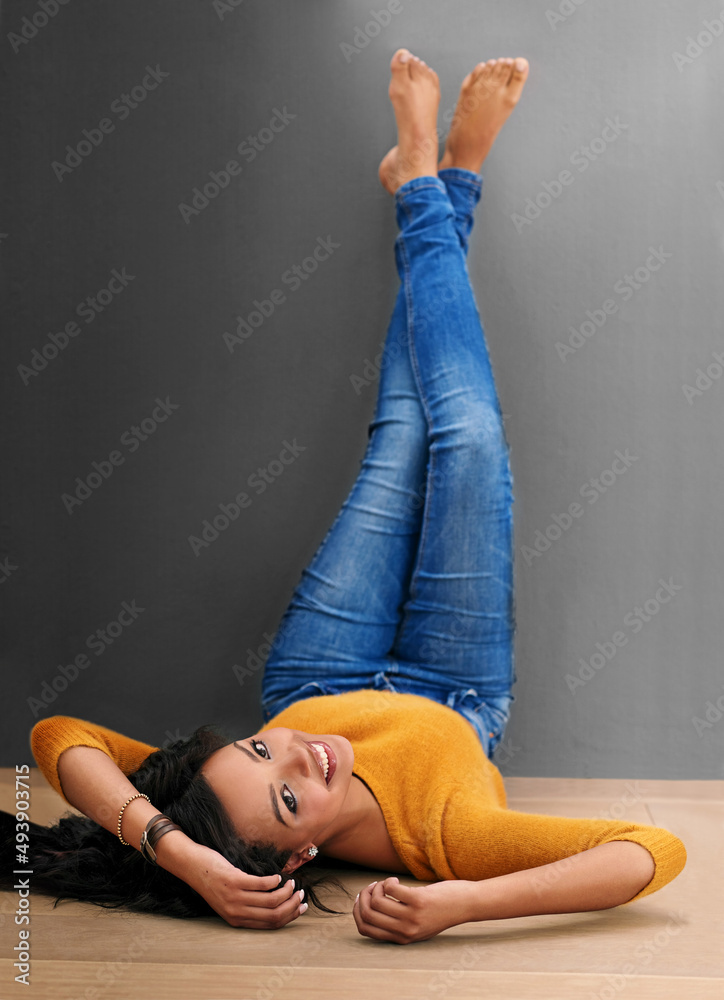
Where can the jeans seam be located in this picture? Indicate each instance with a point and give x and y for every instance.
(412, 586)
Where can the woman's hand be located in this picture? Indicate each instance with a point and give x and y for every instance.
(416, 913)
(239, 898)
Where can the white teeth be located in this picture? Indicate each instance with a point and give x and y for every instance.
(325, 759)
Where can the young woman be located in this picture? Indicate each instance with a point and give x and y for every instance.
(397, 647)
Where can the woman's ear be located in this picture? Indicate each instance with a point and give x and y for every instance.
(296, 860)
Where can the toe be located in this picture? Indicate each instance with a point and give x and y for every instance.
(502, 70)
(520, 70)
(475, 73)
(517, 80)
(518, 77)
(417, 67)
(486, 79)
(487, 72)
(400, 60)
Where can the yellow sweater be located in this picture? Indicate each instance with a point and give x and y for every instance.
(442, 799)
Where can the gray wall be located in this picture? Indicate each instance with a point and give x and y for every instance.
(656, 180)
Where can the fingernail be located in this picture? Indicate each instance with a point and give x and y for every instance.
(304, 907)
(293, 884)
(371, 884)
(301, 895)
(357, 900)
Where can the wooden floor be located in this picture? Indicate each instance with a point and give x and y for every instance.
(670, 944)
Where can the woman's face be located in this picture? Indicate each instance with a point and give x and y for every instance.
(274, 789)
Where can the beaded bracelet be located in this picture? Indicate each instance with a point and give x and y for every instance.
(138, 795)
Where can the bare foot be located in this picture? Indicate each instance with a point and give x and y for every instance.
(487, 97)
(415, 95)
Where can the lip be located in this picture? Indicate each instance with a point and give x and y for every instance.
(330, 756)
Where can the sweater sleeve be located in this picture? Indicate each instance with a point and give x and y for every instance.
(482, 842)
(50, 737)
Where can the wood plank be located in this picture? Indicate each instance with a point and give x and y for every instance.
(69, 981)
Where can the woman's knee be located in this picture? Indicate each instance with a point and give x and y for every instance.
(478, 433)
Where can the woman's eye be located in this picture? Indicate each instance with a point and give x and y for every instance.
(287, 798)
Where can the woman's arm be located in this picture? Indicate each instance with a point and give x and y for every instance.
(95, 785)
(482, 843)
(604, 876)
(596, 879)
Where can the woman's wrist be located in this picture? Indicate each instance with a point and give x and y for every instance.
(173, 850)
(473, 902)
(176, 852)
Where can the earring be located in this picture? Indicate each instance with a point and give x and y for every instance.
(313, 852)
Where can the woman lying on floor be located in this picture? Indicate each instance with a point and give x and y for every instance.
(397, 646)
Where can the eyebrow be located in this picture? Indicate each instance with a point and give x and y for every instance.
(272, 795)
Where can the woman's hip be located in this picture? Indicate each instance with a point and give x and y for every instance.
(484, 705)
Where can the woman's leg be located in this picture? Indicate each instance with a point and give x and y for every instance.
(414, 91)
(464, 188)
(457, 626)
(343, 616)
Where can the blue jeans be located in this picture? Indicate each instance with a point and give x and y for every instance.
(411, 590)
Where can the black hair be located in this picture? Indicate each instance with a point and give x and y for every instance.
(78, 859)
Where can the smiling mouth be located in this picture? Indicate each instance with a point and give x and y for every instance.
(325, 758)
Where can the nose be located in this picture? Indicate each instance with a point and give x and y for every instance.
(300, 757)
